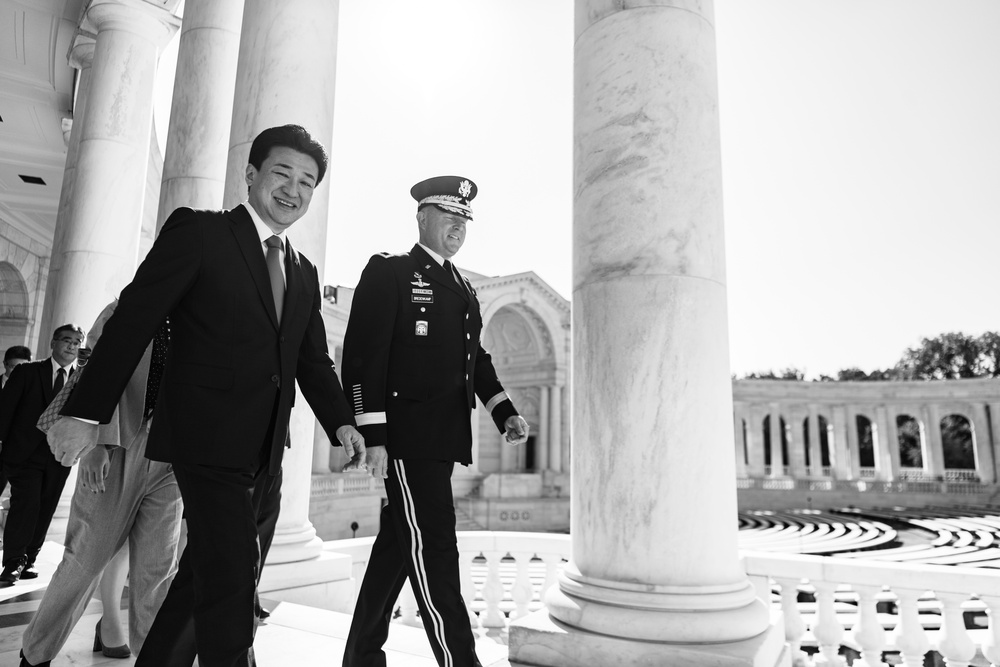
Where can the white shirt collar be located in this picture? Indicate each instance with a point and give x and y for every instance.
(263, 231)
(56, 366)
(437, 258)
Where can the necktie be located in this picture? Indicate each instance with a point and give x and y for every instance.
(277, 273)
(157, 361)
(60, 381)
(450, 268)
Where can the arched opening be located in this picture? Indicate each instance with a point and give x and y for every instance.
(746, 448)
(911, 453)
(13, 307)
(866, 447)
(779, 465)
(959, 447)
(824, 446)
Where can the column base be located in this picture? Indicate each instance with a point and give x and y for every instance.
(325, 582)
(538, 640)
(292, 545)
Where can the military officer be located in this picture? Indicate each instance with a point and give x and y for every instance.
(414, 366)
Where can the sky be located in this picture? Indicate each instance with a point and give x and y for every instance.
(860, 147)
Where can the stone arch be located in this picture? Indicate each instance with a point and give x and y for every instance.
(777, 463)
(958, 441)
(824, 429)
(866, 440)
(14, 307)
(911, 441)
(525, 358)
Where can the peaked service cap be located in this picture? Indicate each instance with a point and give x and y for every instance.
(451, 194)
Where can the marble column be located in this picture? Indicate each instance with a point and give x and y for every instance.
(994, 414)
(853, 445)
(796, 442)
(778, 461)
(985, 465)
(934, 451)
(652, 408)
(755, 442)
(815, 443)
(201, 109)
(542, 438)
(841, 463)
(883, 445)
(99, 233)
(286, 74)
(81, 57)
(555, 430)
(739, 438)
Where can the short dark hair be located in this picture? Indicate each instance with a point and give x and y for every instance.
(17, 352)
(75, 328)
(290, 136)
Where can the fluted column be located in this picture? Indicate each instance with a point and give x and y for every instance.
(934, 454)
(286, 74)
(755, 442)
(815, 443)
(739, 415)
(883, 444)
(81, 57)
(652, 411)
(985, 464)
(995, 434)
(796, 442)
(555, 431)
(99, 231)
(542, 439)
(853, 444)
(774, 433)
(201, 109)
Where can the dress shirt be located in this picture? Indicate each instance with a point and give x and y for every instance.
(264, 232)
(70, 368)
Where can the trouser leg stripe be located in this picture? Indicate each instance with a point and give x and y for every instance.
(418, 562)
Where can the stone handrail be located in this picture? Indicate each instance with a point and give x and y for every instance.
(505, 574)
(865, 486)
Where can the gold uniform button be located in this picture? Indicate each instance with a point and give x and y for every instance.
(468, 336)
(468, 357)
(395, 393)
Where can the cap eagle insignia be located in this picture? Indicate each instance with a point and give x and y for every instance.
(465, 188)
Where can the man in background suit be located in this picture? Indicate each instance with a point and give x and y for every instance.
(36, 478)
(14, 356)
(414, 366)
(245, 320)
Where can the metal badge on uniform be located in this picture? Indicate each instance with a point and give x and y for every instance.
(420, 294)
(421, 327)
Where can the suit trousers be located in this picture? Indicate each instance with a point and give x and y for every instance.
(209, 610)
(140, 504)
(416, 539)
(35, 486)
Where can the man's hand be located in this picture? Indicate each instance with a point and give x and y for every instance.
(94, 468)
(69, 439)
(517, 430)
(353, 442)
(373, 459)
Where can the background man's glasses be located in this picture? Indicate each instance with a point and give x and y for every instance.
(70, 341)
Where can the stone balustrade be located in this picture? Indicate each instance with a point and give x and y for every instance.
(826, 602)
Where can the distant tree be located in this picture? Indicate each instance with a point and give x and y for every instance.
(956, 440)
(949, 356)
(858, 375)
(989, 350)
(910, 453)
(785, 374)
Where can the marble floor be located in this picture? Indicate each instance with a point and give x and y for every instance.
(293, 635)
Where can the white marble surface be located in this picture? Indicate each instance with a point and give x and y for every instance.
(194, 165)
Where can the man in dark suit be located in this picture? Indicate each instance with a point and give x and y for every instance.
(245, 320)
(14, 356)
(36, 477)
(414, 366)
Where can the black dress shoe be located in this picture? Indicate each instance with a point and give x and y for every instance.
(11, 573)
(29, 572)
(25, 663)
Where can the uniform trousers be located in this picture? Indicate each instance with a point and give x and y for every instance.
(141, 504)
(35, 486)
(209, 610)
(416, 539)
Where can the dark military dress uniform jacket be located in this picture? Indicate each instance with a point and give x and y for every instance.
(413, 364)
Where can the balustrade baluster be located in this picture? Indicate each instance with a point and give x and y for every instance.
(909, 636)
(408, 606)
(827, 628)
(991, 645)
(465, 559)
(868, 631)
(552, 563)
(795, 627)
(493, 591)
(955, 645)
(521, 590)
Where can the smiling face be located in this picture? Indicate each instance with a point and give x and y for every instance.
(280, 191)
(442, 232)
(65, 345)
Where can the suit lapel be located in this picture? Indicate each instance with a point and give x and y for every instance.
(45, 370)
(253, 254)
(294, 282)
(434, 270)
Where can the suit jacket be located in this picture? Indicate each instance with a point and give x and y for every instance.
(25, 395)
(413, 362)
(231, 363)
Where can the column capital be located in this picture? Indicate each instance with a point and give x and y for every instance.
(81, 53)
(133, 16)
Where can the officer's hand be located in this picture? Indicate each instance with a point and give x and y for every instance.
(353, 442)
(94, 468)
(69, 439)
(377, 462)
(517, 430)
